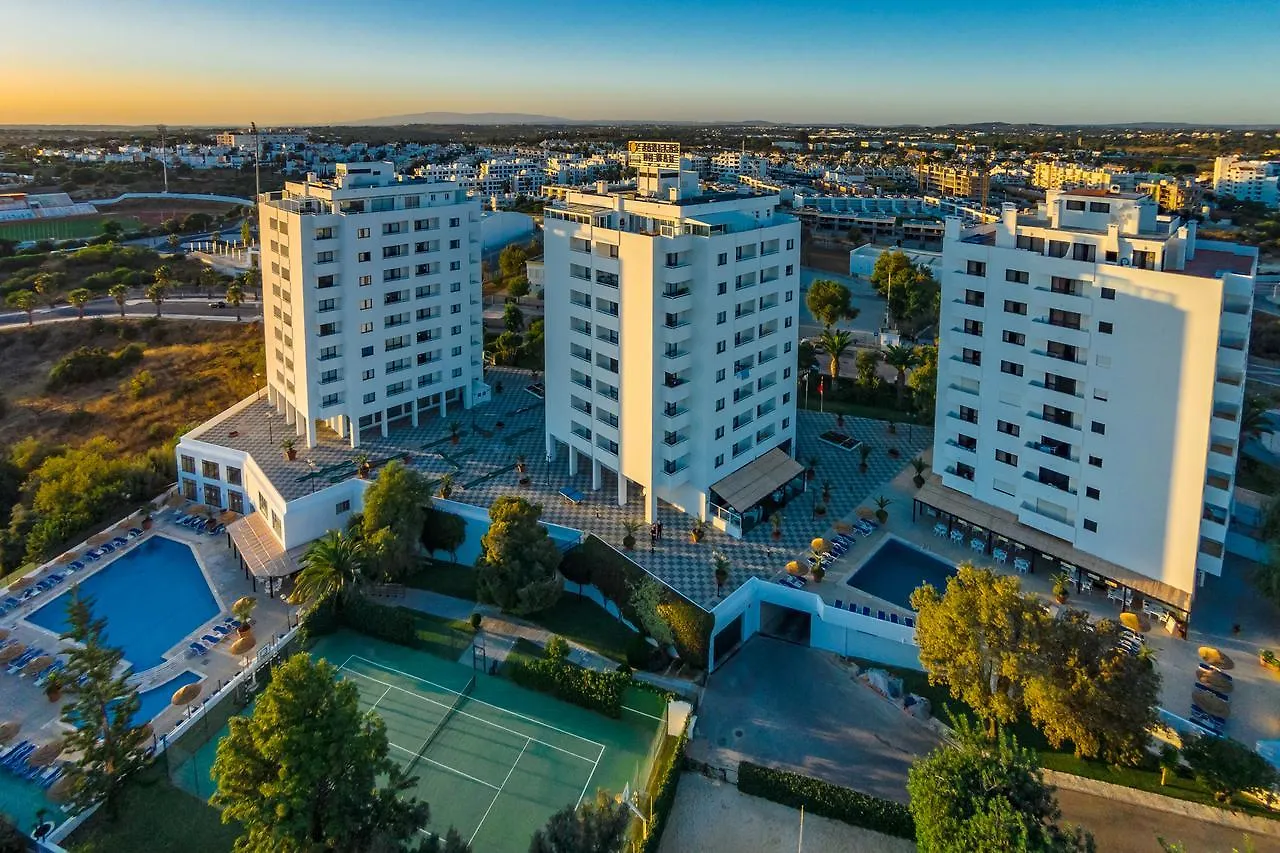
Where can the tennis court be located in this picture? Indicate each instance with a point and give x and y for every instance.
(491, 758)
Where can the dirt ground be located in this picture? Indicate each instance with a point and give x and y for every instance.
(714, 817)
(152, 212)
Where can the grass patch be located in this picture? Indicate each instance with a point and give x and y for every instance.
(860, 410)
(524, 651)
(582, 621)
(77, 228)
(445, 578)
(1145, 777)
(446, 638)
(155, 815)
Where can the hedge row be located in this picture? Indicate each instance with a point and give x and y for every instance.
(393, 624)
(594, 562)
(826, 799)
(662, 792)
(588, 688)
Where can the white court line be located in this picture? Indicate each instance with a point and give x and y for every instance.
(380, 698)
(446, 766)
(473, 699)
(641, 713)
(499, 794)
(589, 778)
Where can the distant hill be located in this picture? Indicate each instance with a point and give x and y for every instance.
(456, 118)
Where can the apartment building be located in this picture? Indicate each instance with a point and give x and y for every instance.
(269, 139)
(671, 323)
(371, 292)
(1090, 388)
(951, 179)
(1247, 180)
(1058, 174)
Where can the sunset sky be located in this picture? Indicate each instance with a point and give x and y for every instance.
(142, 62)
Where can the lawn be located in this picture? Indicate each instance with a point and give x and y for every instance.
(155, 815)
(76, 228)
(445, 638)
(1144, 778)
(860, 410)
(577, 619)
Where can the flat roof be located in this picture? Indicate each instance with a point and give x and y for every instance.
(1213, 263)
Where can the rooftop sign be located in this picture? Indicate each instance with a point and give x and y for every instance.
(660, 154)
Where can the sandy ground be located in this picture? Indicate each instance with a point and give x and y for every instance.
(714, 817)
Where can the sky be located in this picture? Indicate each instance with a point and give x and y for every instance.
(285, 62)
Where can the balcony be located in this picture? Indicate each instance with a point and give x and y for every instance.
(1052, 481)
(967, 448)
(676, 291)
(1051, 521)
(1042, 327)
(1059, 450)
(673, 439)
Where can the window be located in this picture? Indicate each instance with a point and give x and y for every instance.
(1092, 493)
(365, 352)
(720, 346)
(209, 470)
(1011, 367)
(364, 256)
(366, 280)
(365, 328)
(975, 297)
(341, 506)
(1095, 461)
(976, 268)
(719, 433)
(973, 327)
(362, 233)
(1098, 427)
(968, 442)
(1058, 248)
(1104, 327)
(721, 318)
(722, 259)
(1012, 307)
(324, 281)
(720, 460)
(1017, 276)
(1006, 457)
(1099, 207)
(1008, 428)
(791, 244)
(1075, 205)
(720, 375)
(189, 464)
(1016, 338)
(1091, 525)
(1084, 252)
(968, 415)
(720, 405)
(366, 375)
(1108, 293)
(971, 356)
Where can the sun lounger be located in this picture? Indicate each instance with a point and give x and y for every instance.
(232, 622)
(221, 631)
(93, 555)
(572, 495)
(134, 532)
(211, 639)
(197, 648)
(119, 541)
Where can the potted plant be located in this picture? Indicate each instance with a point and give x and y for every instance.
(919, 465)
(864, 450)
(497, 387)
(818, 572)
(721, 564)
(243, 610)
(775, 521)
(455, 431)
(839, 420)
(697, 532)
(813, 468)
(882, 514)
(826, 491)
(446, 486)
(53, 686)
(1061, 587)
(894, 453)
(476, 619)
(363, 467)
(522, 469)
(819, 509)
(290, 452)
(147, 521)
(1268, 659)
(893, 428)
(629, 533)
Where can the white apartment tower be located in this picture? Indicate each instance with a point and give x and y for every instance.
(371, 300)
(671, 324)
(1091, 379)
(1247, 180)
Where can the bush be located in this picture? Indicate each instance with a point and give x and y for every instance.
(826, 799)
(662, 793)
(393, 624)
(587, 688)
(85, 364)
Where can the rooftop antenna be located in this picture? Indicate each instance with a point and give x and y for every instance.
(164, 163)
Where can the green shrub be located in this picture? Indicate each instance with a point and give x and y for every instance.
(393, 624)
(826, 799)
(588, 688)
(662, 792)
(85, 364)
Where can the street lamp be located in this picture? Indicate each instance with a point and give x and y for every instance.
(271, 435)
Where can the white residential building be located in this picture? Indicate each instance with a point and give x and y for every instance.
(1247, 180)
(270, 140)
(671, 319)
(371, 292)
(1090, 387)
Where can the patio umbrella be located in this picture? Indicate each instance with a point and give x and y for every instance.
(1216, 657)
(793, 568)
(866, 513)
(98, 538)
(60, 791)
(1211, 704)
(1135, 622)
(186, 694)
(8, 729)
(21, 583)
(67, 557)
(4, 633)
(843, 527)
(228, 516)
(8, 653)
(46, 753)
(36, 664)
(818, 544)
(1215, 680)
(242, 644)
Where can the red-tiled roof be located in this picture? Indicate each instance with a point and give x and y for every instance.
(1208, 263)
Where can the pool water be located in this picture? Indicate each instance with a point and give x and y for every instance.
(155, 700)
(895, 570)
(478, 525)
(152, 598)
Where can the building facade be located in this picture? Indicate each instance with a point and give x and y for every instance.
(671, 323)
(1247, 180)
(952, 180)
(1091, 381)
(371, 300)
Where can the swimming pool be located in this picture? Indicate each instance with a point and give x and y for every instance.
(152, 597)
(896, 568)
(477, 524)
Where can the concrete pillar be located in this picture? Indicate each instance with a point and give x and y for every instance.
(573, 461)
(622, 490)
(311, 433)
(385, 419)
(413, 413)
(551, 448)
(443, 406)
(650, 506)
(595, 475)
(353, 433)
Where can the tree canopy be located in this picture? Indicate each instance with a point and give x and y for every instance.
(334, 565)
(909, 288)
(394, 508)
(595, 826)
(1227, 766)
(517, 567)
(301, 773)
(980, 796)
(830, 302)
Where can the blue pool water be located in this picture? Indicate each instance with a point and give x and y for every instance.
(157, 699)
(477, 524)
(152, 597)
(896, 569)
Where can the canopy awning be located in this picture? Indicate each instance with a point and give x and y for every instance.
(747, 486)
(259, 548)
(1006, 524)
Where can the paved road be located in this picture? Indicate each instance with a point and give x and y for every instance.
(182, 308)
(1120, 827)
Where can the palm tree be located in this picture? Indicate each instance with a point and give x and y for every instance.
(1253, 420)
(333, 565)
(162, 275)
(446, 486)
(901, 358)
(157, 293)
(46, 286)
(120, 293)
(23, 300)
(834, 342)
(235, 297)
(79, 298)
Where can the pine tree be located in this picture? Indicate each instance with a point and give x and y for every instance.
(598, 826)
(110, 746)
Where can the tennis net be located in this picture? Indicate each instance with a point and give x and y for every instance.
(444, 721)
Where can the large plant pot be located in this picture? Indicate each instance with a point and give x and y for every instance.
(918, 480)
(291, 454)
(882, 516)
(629, 542)
(777, 534)
(245, 628)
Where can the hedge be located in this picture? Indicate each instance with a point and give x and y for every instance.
(662, 793)
(393, 624)
(826, 799)
(594, 562)
(588, 688)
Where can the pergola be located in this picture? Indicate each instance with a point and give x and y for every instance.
(261, 555)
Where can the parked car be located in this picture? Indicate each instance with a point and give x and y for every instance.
(217, 305)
